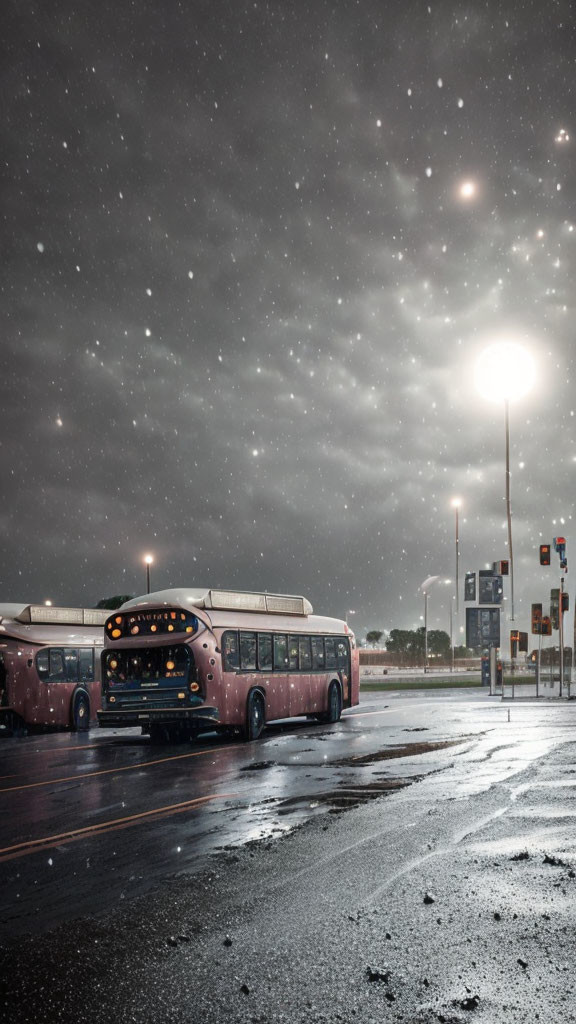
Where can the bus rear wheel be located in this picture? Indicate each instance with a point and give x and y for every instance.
(332, 715)
(81, 713)
(255, 717)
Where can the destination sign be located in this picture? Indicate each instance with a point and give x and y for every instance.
(150, 623)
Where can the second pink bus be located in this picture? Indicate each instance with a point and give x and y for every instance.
(184, 661)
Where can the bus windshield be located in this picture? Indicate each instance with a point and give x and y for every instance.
(148, 667)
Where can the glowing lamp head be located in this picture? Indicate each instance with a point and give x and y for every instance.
(148, 559)
(505, 371)
(456, 502)
(467, 190)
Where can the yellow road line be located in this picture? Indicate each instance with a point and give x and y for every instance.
(34, 845)
(111, 771)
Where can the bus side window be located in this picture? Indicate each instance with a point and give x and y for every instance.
(248, 651)
(86, 665)
(230, 651)
(317, 652)
(280, 652)
(293, 653)
(57, 673)
(305, 654)
(342, 655)
(265, 652)
(43, 665)
(71, 664)
(330, 647)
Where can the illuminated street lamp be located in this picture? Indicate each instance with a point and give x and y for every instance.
(504, 372)
(148, 559)
(349, 612)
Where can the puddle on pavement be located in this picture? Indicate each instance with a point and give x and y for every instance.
(403, 750)
(345, 797)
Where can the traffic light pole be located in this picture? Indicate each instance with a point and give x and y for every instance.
(561, 633)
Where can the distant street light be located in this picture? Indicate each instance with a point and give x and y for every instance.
(425, 588)
(349, 612)
(47, 604)
(504, 372)
(148, 559)
(456, 503)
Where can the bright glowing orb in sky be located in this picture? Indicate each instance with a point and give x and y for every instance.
(467, 190)
(505, 370)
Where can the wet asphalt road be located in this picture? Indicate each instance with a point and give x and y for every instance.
(341, 873)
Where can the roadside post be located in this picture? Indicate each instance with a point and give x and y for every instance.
(559, 603)
(493, 670)
(536, 625)
(560, 547)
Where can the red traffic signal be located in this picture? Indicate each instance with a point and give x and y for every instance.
(546, 626)
(544, 554)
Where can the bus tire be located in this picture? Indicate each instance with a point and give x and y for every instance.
(255, 716)
(81, 712)
(14, 724)
(334, 711)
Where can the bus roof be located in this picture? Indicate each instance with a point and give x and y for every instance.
(224, 600)
(41, 614)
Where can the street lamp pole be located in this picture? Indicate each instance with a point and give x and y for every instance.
(425, 631)
(456, 503)
(506, 371)
(451, 640)
(148, 559)
(508, 505)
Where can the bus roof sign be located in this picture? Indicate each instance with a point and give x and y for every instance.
(40, 613)
(225, 600)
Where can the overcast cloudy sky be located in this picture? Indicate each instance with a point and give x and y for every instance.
(251, 252)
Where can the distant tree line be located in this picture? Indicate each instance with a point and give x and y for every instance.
(409, 644)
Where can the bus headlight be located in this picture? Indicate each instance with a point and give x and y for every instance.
(194, 687)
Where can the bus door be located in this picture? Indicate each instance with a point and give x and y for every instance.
(278, 690)
(344, 669)
(299, 664)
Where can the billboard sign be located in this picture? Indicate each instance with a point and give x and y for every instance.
(470, 586)
(489, 587)
(482, 627)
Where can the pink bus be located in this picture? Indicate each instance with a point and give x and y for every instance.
(49, 665)
(180, 662)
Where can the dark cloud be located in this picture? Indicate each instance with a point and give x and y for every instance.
(243, 294)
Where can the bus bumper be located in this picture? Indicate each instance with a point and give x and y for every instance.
(202, 717)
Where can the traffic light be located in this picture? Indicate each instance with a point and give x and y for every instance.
(544, 554)
(514, 638)
(546, 626)
(501, 568)
(523, 642)
(555, 608)
(536, 618)
(565, 602)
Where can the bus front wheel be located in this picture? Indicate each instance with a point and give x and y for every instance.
(255, 717)
(81, 713)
